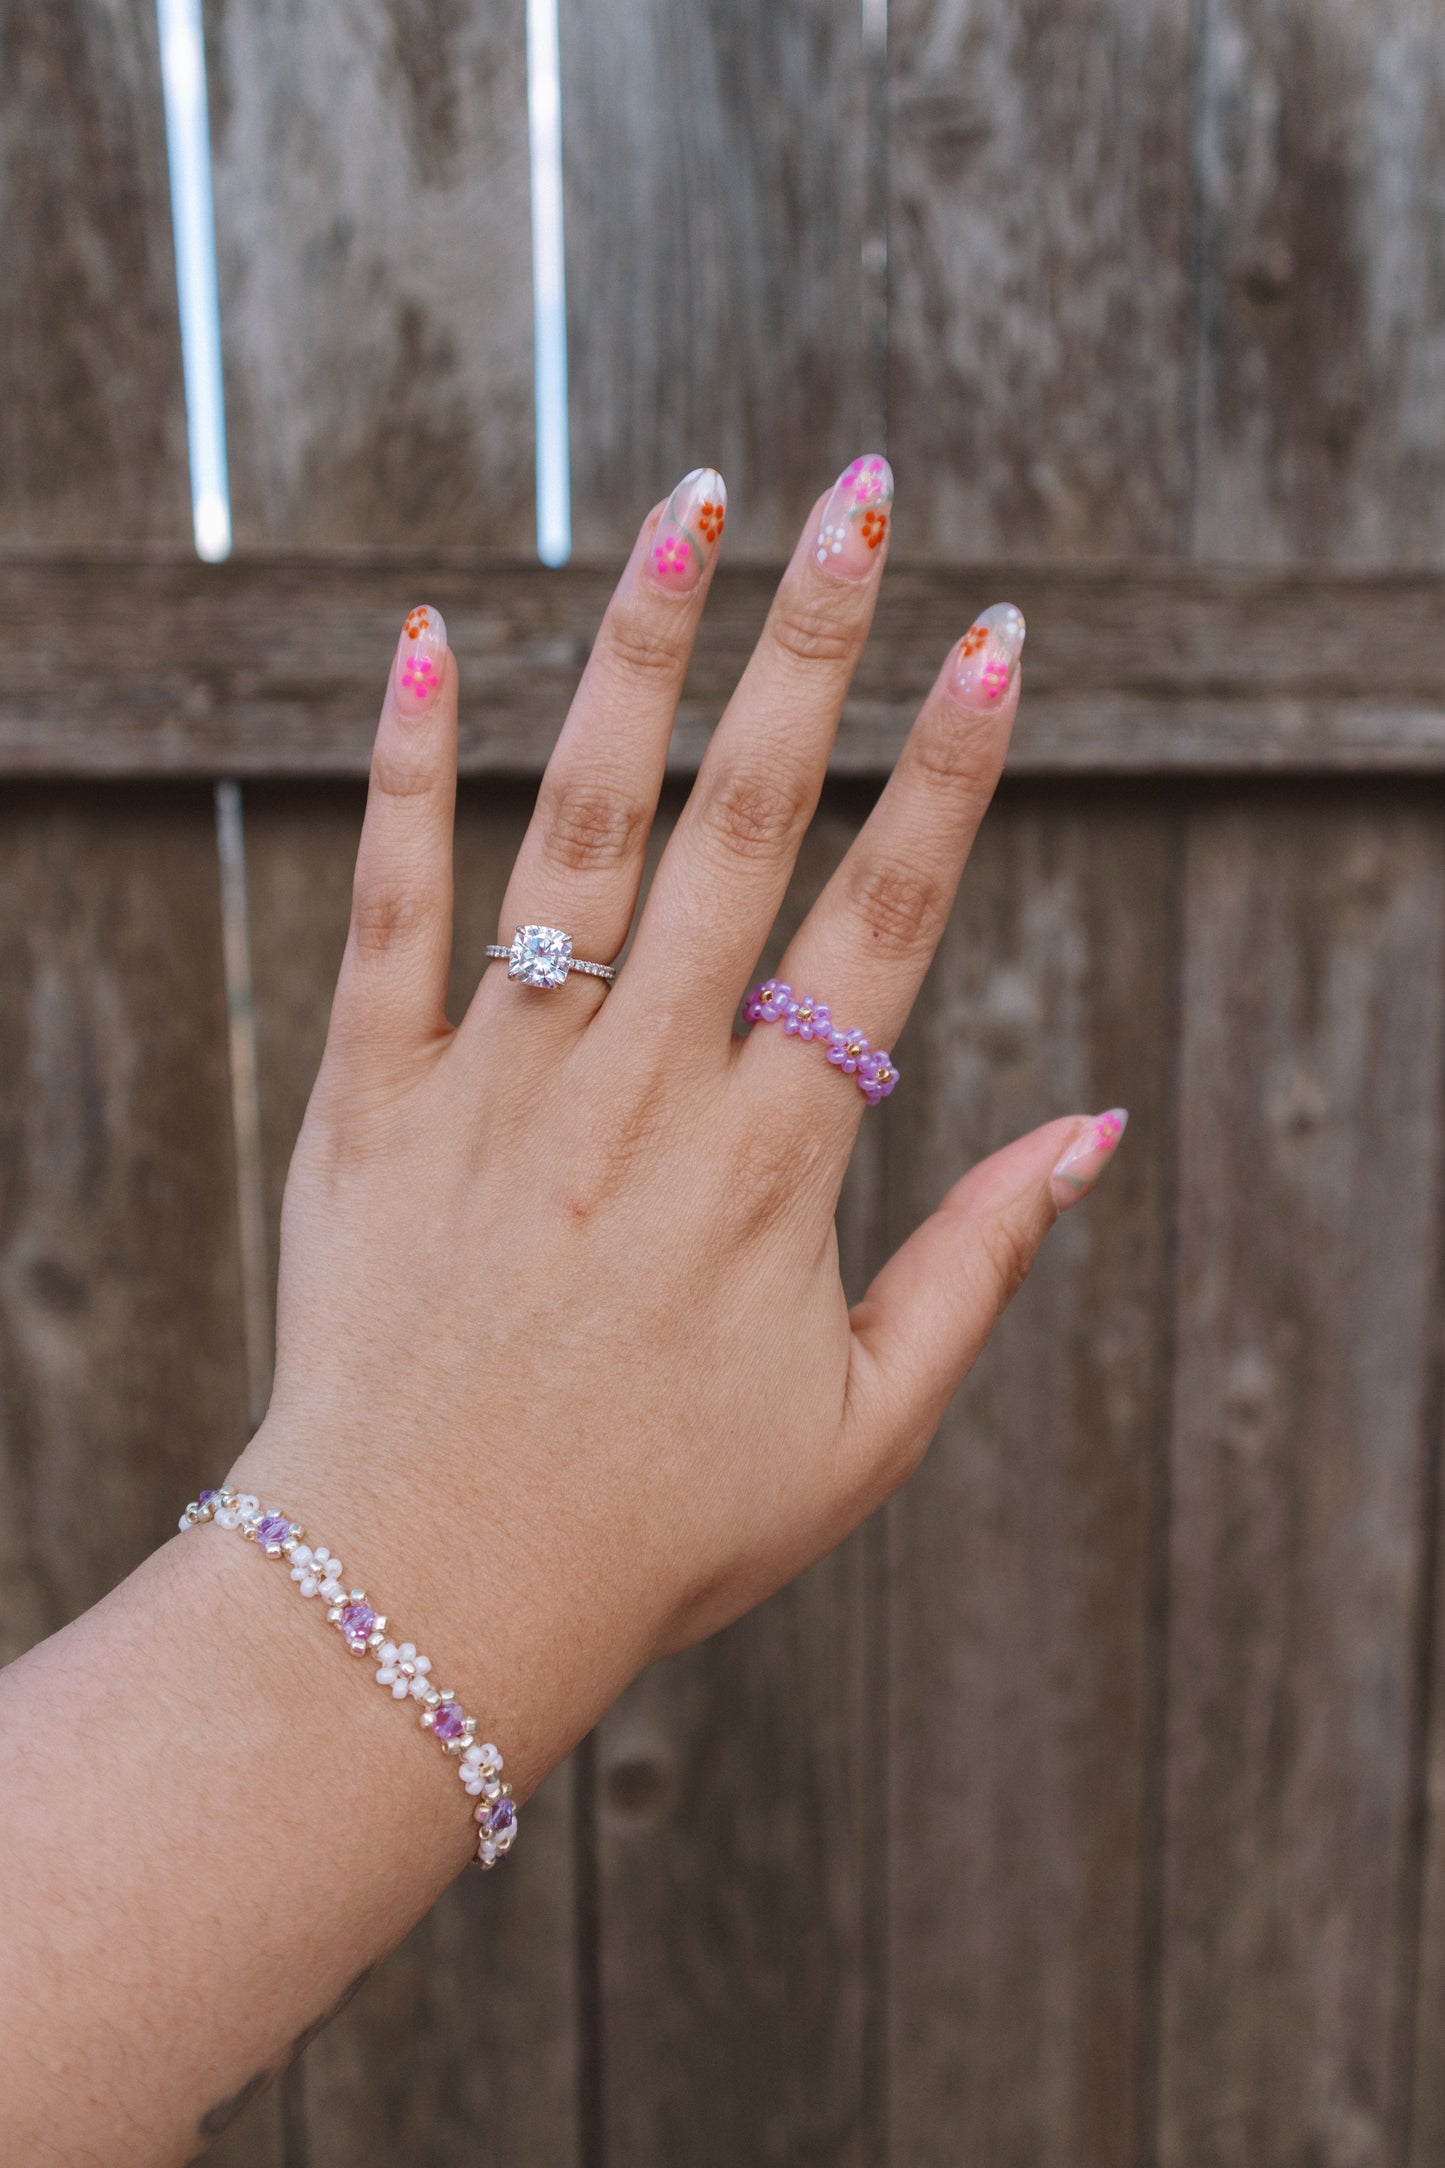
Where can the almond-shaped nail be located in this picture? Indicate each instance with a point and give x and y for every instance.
(1087, 1157)
(420, 657)
(988, 657)
(689, 530)
(855, 519)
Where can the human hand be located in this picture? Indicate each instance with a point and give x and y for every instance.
(563, 1352)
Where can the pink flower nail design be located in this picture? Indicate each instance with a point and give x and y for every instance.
(855, 518)
(419, 654)
(1087, 1157)
(689, 528)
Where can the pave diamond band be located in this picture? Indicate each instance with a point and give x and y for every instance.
(542, 956)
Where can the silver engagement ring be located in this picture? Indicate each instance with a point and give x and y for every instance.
(542, 956)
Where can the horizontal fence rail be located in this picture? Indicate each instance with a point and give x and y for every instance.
(275, 664)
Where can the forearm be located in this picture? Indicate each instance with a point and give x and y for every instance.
(212, 1823)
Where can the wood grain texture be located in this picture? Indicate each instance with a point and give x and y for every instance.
(473, 2024)
(1322, 259)
(1427, 2110)
(738, 1846)
(92, 412)
(1038, 248)
(373, 237)
(122, 1368)
(1026, 1555)
(717, 168)
(1310, 1063)
(168, 667)
(122, 1384)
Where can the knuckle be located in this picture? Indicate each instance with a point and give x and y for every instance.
(900, 911)
(400, 774)
(757, 815)
(812, 630)
(641, 642)
(768, 1177)
(386, 915)
(591, 825)
(963, 762)
(1009, 1251)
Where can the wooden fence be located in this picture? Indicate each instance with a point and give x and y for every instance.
(1088, 1809)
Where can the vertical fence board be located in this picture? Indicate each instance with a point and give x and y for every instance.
(717, 165)
(122, 1372)
(732, 1835)
(1037, 256)
(92, 417)
(1026, 1553)
(1427, 2018)
(1310, 1066)
(429, 2054)
(373, 235)
(1321, 125)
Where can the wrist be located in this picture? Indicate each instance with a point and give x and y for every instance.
(500, 1602)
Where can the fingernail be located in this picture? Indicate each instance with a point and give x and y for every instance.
(420, 655)
(689, 529)
(988, 657)
(855, 519)
(1087, 1157)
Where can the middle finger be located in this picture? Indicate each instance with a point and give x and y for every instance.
(728, 863)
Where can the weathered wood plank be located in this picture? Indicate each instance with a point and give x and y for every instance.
(1321, 369)
(92, 411)
(379, 2083)
(1310, 1064)
(737, 1850)
(1427, 2019)
(1038, 243)
(122, 1375)
(165, 666)
(1027, 1553)
(717, 197)
(373, 239)
(122, 1380)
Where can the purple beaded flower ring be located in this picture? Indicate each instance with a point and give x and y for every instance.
(872, 1068)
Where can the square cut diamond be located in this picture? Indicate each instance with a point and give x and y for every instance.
(540, 956)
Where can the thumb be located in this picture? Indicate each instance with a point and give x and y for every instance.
(921, 1325)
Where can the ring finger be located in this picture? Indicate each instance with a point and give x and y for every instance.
(581, 860)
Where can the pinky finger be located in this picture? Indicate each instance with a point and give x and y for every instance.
(390, 998)
(919, 1329)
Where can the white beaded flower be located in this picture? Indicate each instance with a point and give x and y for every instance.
(403, 1670)
(231, 1516)
(480, 1770)
(318, 1572)
(831, 536)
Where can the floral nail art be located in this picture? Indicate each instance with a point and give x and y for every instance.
(855, 519)
(691, 525)
(1087, 1157)
(988, 656)
(420, 656)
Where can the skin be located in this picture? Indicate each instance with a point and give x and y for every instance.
(614, 1174)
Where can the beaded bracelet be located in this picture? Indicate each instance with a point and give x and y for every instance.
(363, 1629)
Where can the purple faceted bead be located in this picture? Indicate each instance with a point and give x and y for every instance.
(502, 1818)
(272, 1528)
(450, 1720)
(357, 1621)
(208, 1498)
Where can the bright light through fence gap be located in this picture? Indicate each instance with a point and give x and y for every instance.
(188, 147)
(549, 288)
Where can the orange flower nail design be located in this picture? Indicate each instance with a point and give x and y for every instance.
(689, 527)
(988, 655)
